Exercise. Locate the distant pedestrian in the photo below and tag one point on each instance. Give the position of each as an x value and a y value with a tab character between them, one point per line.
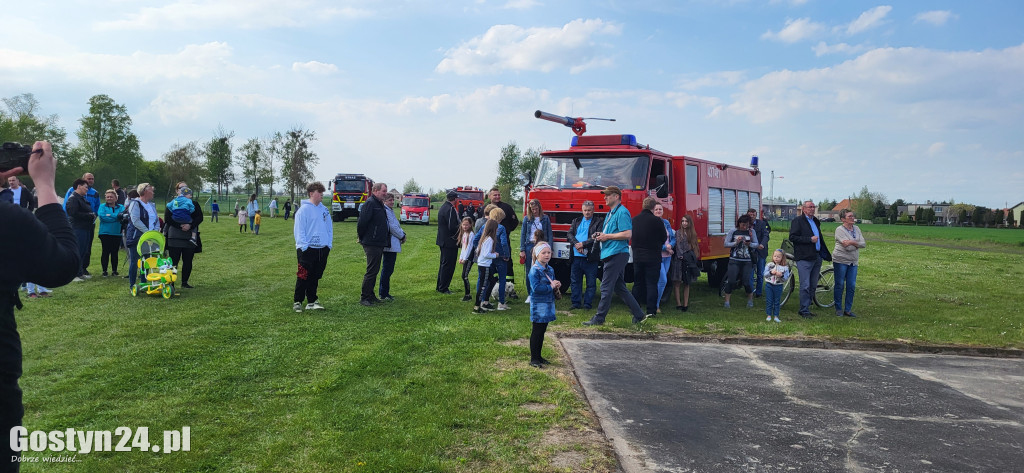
93	198
243	220
685	258
617	230
740	242
585	256
392	251
121	196
466	254
83	219
215	211
775	275
666	252
374	236
257	219
273	207
532	221
849	241
648	240
447	240
542	303
110	231
809	251
250	208
314	238
287	208
763	231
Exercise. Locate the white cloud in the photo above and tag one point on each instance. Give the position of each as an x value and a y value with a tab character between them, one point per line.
716	79
514	48
842	48
250	14
936	148
314	67
795	30
869	19
935	17
522	4
910	85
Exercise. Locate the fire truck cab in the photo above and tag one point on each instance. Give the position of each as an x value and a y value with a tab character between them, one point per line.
348	192
415	208
714	194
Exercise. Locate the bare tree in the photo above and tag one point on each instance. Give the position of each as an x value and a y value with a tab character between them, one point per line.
298	161
218	160
184	163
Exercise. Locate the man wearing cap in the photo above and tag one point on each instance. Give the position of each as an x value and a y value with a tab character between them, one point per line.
447	239
614	239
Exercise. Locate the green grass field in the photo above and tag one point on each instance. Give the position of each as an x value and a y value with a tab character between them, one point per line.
420	384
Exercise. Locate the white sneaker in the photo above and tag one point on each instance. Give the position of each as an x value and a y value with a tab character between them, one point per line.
502	306
777	319
768	319
527	301
297	306
314	305
77	279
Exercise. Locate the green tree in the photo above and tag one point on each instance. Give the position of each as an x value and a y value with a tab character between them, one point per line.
298	161
508	171
1010	220
826	205
411	186
864	203
21	122
980	216
894	210
106	145
881	210
250	157
184	163
218	160
918	215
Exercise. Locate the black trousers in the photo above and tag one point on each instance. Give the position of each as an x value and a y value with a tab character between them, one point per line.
88	249
110	244
374	256
387	269
312	263
537	340
466	267
446	270
184	255
645	283
11	409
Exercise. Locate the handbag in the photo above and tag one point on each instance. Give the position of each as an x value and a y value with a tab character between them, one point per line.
199	243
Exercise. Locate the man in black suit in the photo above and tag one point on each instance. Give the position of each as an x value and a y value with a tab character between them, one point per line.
447	239
375	235
808	250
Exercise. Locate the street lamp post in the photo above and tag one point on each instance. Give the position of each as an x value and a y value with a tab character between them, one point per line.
771	188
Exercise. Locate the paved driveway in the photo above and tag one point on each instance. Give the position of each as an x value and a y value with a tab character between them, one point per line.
682	407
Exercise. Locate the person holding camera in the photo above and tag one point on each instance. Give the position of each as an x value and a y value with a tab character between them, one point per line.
741	243
39	248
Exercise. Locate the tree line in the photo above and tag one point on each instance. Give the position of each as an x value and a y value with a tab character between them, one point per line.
107	147
874	206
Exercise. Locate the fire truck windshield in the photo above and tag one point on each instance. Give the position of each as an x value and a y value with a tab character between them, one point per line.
471	195
349	186
595	172
415	202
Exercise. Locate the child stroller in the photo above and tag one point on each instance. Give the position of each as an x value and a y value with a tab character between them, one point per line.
157	273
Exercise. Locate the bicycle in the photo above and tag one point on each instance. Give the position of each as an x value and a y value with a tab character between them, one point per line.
824	295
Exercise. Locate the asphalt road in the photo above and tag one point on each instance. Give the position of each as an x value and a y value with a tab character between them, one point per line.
689	407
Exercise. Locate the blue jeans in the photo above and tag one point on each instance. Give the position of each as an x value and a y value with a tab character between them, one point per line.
528	265
757	278
252	221
846	275
809	272
387	268
666	261
582	268
133	263
772	298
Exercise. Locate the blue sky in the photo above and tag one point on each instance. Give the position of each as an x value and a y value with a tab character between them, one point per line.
916	100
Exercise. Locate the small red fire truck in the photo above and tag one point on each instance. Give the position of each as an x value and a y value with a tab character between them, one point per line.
415	208
714	194
469	198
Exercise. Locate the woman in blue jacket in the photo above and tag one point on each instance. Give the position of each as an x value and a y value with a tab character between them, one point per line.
110	230
533	220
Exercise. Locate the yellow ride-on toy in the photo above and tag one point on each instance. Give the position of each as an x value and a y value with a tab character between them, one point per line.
157	273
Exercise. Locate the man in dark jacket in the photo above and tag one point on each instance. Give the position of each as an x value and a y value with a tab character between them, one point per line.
763	232
447	239
93	197
374	235
39	248
585	257
510	222
808	250
82	218
18	194
649	237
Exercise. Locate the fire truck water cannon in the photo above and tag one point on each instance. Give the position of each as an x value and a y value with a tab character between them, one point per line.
577	124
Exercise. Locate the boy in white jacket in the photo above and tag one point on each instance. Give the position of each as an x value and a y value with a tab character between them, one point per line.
314	236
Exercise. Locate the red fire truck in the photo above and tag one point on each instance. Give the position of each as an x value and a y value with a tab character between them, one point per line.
714	194
348	192
415	208
469	198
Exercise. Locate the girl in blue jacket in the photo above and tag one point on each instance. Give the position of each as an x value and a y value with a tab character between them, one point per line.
543	284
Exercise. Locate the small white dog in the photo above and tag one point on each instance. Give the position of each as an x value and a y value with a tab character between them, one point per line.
510	291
